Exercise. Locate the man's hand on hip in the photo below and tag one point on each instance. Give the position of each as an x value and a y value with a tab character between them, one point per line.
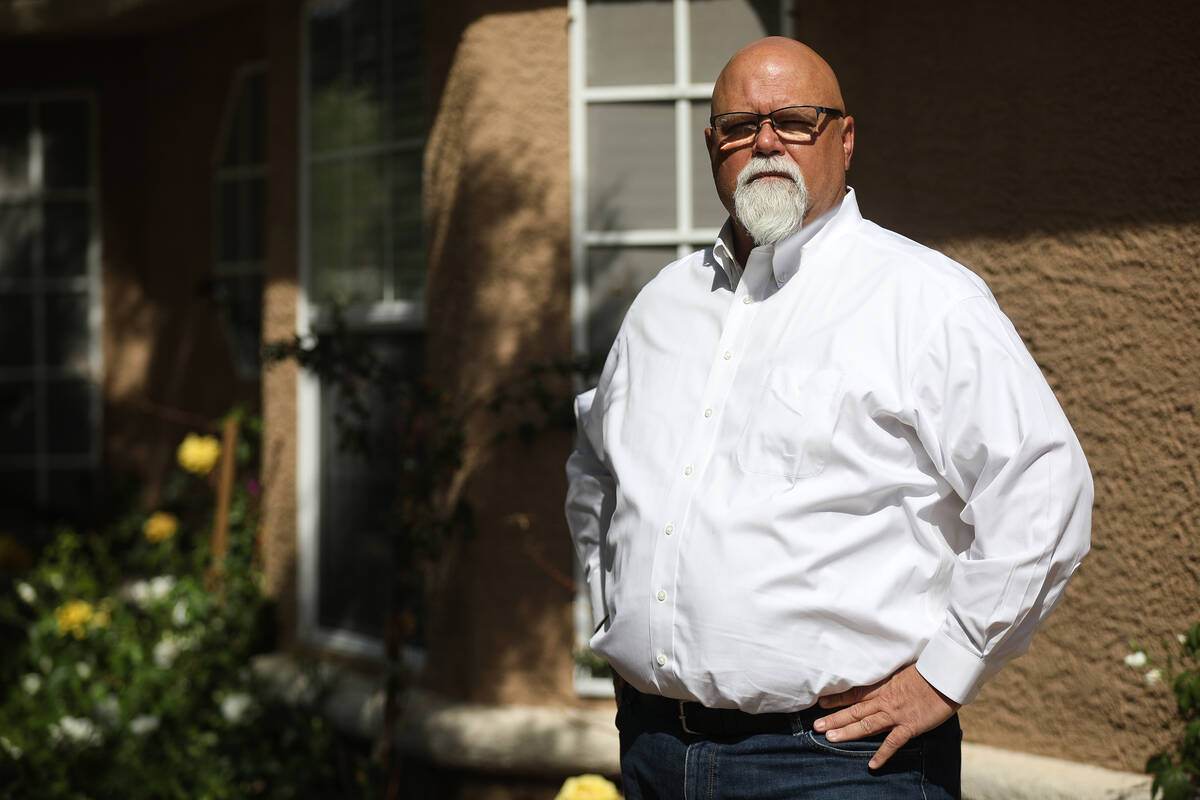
904	704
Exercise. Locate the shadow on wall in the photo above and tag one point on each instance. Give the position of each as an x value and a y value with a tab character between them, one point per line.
976	120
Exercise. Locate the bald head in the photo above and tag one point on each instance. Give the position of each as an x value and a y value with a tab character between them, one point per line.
764	76
776	59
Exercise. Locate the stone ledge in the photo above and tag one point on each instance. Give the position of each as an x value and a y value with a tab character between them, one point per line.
533	740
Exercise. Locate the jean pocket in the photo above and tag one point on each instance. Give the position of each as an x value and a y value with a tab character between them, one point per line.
790	429
859	748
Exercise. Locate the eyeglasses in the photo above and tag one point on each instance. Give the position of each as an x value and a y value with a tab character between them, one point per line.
793	124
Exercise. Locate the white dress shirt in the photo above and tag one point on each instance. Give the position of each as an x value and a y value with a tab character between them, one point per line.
799	477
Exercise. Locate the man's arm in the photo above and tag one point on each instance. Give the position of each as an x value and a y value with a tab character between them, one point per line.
591	496
996	434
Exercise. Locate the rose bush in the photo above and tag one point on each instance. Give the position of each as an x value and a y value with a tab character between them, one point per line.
124	665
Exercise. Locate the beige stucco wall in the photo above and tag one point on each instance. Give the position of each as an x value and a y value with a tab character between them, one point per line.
499	286
1053	149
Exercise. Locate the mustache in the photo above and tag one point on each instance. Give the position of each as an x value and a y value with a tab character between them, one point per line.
769	164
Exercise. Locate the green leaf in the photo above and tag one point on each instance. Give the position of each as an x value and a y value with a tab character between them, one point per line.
1175	784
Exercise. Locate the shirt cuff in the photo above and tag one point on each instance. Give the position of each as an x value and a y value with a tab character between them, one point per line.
952	669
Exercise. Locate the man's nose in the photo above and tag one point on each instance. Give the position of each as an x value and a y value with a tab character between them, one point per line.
766	141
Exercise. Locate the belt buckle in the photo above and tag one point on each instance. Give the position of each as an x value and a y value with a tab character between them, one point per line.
683	720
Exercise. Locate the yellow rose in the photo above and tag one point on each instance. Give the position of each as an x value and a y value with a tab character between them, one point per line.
73	618
160	526
588	787
198	454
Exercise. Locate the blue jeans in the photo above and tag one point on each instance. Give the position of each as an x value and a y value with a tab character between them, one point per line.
659	761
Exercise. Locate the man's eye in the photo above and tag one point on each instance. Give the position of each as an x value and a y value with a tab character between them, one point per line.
795	124
740	129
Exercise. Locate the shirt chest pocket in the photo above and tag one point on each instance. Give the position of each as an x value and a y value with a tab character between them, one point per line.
790	429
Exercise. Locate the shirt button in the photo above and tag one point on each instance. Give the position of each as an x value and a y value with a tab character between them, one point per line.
687	470
727	355
670	529
747	300
661	595
662	660
707	413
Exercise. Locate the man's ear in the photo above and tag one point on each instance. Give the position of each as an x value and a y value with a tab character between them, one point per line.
847	141
708	145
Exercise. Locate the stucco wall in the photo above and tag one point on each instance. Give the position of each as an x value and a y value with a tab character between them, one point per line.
497	192
1053	149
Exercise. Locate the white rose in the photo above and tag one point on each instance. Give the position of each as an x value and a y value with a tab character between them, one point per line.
179	614
83	670
1181	638
108	711
13	751
1154	676
161	586
234	707
166	651
31	682
26	592
143	724
1137	659
77	730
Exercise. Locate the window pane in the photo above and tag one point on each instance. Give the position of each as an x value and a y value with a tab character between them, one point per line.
326	73
239	302
367	227
327	220
18	418
256	219
614	275
358	492
631	166
16	330
630	42
707	211
407	110
16	240
366	96
256	90
14	148
69	417
408	254
227	214
67	332
64	126
721	27
66	236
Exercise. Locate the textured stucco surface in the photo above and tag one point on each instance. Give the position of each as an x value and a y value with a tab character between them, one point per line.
497	202
985	132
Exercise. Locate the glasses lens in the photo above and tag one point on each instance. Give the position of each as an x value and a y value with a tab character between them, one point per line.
736	127
797	123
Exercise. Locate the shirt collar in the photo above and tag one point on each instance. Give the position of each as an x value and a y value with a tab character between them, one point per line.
788	254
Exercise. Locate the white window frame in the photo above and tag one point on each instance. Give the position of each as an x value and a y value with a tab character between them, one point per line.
684	236
38	285
391	314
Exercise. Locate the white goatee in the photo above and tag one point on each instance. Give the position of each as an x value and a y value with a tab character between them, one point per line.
770	209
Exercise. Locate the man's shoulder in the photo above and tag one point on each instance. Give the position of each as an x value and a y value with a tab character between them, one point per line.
694	269
893	256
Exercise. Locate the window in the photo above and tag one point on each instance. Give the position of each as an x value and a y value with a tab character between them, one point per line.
240	213
642	74
49	308
364	122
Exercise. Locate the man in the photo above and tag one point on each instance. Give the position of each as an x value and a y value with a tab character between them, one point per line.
821	492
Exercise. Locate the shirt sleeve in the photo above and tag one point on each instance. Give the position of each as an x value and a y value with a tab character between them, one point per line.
995	432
